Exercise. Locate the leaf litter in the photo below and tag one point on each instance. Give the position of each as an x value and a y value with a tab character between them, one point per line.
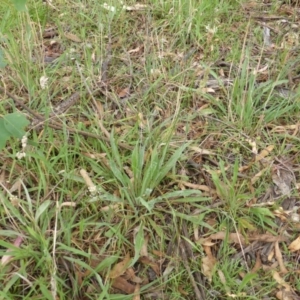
259	166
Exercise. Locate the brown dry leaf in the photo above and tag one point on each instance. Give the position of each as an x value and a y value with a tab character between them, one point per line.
100	108
207	267
94	155
295	245
258	175
202	151
80	276
130	275
122	284
258	263
285	295
137	295
206	242
207	90
16	185
147	261
200	187
278	256
124	93
268	238
120	268
129	172
272	267
271	255
233	237
264	153
182	291
281	281
158	253
196	232
7	258
281	214
221	72
244	168
72	37
204	109
284	129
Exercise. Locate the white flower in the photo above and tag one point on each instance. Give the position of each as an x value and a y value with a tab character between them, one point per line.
24	141
109	7
20	155
211	30
92	189
44	82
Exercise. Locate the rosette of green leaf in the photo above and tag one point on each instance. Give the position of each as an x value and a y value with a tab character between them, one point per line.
150	166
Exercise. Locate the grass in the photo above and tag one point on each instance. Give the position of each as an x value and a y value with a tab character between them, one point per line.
207	125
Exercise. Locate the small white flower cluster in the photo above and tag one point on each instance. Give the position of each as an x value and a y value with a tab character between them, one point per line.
44	82
22	153
92	189
14	200
211	30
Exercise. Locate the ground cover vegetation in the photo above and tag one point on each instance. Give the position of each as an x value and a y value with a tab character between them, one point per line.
149	150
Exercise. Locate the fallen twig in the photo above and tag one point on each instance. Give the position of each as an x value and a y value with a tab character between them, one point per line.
198	295
55	125
65	105
195	278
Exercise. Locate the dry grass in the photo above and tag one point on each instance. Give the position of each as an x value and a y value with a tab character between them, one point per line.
187	187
